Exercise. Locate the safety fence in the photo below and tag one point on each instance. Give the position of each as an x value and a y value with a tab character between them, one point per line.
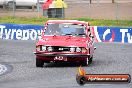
97	9
31	32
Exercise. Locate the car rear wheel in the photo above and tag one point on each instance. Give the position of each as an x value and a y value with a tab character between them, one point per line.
39	63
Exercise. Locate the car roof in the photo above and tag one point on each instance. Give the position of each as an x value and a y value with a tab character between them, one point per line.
67	21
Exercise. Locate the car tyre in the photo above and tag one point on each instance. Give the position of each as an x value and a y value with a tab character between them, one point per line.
90	60
39	63
87	62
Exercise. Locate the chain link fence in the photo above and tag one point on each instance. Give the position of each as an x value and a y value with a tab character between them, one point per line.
97	9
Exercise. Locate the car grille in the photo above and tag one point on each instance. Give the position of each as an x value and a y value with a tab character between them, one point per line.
60	49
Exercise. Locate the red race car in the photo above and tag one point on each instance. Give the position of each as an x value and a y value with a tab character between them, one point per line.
65	40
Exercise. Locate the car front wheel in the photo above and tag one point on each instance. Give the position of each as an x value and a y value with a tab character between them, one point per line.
90	60
87	62
39	63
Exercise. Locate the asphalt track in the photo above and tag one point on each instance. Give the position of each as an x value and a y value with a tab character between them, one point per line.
109	58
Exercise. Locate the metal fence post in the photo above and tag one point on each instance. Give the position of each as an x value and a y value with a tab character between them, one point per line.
13	8
63	13
89	9
38	8
113	1
90	1
117	8
4	6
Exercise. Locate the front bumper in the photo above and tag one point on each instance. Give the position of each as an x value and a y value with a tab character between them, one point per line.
61	54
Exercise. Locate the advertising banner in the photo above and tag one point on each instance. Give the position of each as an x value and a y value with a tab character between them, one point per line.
20	32
30	32
112	34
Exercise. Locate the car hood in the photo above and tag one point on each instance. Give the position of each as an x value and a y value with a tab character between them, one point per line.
63	41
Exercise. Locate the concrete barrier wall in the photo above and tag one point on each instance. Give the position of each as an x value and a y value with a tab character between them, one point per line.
30	32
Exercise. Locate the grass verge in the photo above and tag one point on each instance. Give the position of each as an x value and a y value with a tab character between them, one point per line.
41	21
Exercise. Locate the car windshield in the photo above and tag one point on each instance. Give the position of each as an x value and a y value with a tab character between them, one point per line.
65	29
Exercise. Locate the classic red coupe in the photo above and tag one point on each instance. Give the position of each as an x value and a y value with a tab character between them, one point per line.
65	40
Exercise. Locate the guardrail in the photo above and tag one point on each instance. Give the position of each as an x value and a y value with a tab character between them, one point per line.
30	32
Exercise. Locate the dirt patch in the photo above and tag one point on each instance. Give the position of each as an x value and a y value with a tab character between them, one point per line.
100	11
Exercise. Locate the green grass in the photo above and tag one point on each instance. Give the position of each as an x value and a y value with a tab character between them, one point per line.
41	21
98	22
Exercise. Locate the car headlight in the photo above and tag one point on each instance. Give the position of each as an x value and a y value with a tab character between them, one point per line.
50	49
78	49
43	48
38	48
84	50
72	49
